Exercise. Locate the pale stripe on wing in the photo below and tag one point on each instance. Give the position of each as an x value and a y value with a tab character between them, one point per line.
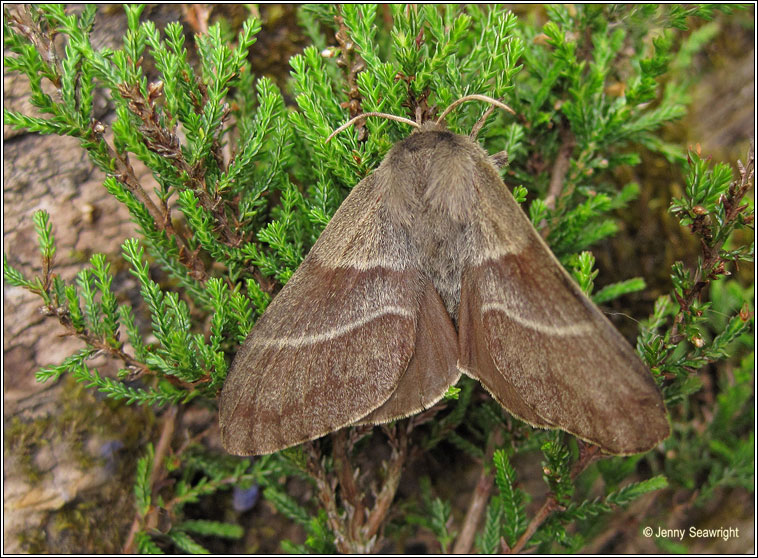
303	340
581	328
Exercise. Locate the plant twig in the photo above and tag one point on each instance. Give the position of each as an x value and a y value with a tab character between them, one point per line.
357	529
391	481
352	499
351	61
560	168
712	263
326	489
161	450
477	505
548	507
465	540
588	453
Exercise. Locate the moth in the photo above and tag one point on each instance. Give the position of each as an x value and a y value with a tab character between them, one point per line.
430	269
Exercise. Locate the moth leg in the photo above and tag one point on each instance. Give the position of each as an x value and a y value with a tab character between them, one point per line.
499	160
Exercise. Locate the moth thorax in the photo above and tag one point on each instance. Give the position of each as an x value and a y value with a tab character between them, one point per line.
451	186
442	255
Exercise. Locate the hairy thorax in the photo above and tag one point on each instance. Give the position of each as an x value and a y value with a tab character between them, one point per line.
430	182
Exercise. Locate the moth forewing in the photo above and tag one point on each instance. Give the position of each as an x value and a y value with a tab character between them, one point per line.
545	351
333	344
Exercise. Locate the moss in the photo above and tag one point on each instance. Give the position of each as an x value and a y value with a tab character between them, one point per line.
95	525
84	415
81	416
34	541
98	519
22	440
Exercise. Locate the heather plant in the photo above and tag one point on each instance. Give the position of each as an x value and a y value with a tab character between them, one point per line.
244	183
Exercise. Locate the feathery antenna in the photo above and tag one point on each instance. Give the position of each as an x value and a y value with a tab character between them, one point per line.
352	121
484	98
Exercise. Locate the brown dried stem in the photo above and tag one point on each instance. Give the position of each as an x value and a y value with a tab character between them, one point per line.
477	505
166	144
161	450
23	20
560	168
548	507
357	529
326	488
393	473
353	64
352	499
588	453
465	540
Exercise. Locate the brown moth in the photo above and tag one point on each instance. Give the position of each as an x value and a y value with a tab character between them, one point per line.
430	269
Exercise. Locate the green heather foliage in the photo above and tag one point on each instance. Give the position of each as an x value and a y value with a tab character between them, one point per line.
591	88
